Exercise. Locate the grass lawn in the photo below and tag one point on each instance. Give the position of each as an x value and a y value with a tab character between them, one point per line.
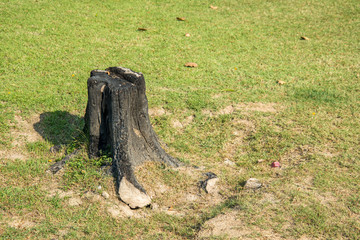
276	81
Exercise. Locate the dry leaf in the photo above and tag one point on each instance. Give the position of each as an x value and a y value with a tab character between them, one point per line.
213	7
191	64
304	38
280	82
180	19
187	35
142	29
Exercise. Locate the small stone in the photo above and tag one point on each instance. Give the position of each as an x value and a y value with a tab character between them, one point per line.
229	162
99	187
211	185
253	183
105	195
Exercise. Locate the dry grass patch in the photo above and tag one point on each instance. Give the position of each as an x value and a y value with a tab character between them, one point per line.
176	191
231	225
22	132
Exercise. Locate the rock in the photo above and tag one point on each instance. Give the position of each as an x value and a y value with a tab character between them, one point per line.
132	196
253	183
211	186
99	187
229	162
105	195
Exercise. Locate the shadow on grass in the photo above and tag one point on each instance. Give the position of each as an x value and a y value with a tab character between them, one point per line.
59	127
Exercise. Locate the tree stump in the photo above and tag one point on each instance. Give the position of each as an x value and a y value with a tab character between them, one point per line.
117	120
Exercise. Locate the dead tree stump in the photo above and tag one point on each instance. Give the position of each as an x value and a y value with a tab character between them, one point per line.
117	120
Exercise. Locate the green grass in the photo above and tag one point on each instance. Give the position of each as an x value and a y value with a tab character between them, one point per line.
243	48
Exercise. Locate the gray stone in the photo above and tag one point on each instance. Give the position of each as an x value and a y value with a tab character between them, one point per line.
253	183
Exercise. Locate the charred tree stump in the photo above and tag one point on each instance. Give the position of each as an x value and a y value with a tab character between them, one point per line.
117	120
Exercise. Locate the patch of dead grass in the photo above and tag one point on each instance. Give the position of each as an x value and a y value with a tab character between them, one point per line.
22	132
176	191
231	226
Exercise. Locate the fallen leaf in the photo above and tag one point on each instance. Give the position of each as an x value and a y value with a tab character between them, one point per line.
191	64
304	38
187	35
281	82
213	7
142	29
180	19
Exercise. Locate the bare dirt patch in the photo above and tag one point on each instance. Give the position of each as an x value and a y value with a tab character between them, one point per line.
177	191
258	107
156	112
21	223
23	132
242	128
175	123
230	226
244	107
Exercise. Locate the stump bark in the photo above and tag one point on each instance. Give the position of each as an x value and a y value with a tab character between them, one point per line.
117	120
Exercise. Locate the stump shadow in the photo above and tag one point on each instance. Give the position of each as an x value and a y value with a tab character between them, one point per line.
59	127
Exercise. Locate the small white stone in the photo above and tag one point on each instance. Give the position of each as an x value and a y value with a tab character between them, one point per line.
105	195
99	187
